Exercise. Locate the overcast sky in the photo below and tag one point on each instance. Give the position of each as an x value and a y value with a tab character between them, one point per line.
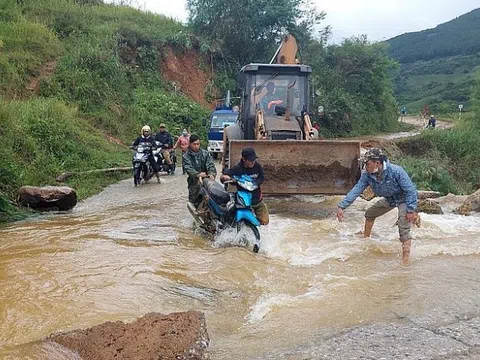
379	19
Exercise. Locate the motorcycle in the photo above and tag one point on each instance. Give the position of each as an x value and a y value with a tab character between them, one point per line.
220	209
142	169
161	162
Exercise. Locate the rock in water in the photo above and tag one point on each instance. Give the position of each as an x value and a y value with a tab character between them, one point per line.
368	194
47	198
177	336
471	203
429	207
424	194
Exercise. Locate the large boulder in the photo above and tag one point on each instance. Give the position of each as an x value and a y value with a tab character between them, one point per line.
429	206
471	203
47	198
177	336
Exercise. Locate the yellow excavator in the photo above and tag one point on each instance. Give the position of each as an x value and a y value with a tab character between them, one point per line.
274	120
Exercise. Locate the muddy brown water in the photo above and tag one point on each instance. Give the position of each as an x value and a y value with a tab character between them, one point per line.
129	251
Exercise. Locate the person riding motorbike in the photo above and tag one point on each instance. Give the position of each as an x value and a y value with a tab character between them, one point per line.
183	141
147	137
198	165
432	122
249	165
164	137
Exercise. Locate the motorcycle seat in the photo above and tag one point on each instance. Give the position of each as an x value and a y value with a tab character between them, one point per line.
216	192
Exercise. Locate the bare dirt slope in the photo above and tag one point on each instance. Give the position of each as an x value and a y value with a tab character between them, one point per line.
187	73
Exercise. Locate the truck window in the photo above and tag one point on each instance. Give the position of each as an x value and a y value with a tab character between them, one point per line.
220	120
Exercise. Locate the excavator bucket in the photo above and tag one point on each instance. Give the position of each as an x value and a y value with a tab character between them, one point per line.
303	167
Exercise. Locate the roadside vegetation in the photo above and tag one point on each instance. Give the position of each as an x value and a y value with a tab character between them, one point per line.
78	79
447	160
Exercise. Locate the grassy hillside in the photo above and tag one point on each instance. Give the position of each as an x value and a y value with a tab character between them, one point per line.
438	66
456	37
75	74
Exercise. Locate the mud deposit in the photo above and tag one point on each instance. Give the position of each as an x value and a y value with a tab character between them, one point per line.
153	336
329	179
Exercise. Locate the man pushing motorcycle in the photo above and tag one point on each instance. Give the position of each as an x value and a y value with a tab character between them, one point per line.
249	165
198	165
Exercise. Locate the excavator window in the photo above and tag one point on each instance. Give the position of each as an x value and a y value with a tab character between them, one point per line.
269	91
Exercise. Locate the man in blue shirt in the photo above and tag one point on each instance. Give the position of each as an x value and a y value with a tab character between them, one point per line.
392	183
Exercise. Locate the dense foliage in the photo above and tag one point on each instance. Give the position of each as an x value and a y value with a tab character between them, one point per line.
354	86
247	31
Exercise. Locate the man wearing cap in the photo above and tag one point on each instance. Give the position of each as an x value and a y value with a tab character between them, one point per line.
164	137
391	183
248	165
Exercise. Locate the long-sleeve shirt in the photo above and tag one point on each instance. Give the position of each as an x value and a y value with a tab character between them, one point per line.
142	139
256	173
165	138
394	185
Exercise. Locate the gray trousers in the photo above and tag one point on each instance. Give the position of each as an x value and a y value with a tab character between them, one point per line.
382	207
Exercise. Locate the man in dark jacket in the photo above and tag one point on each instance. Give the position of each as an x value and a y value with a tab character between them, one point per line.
166	141
248	165
198	164
149	139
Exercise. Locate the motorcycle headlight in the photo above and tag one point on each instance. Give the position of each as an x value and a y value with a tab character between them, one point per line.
140	149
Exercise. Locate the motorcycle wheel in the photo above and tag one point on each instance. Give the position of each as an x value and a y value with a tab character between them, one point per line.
248	235
137	176
146	175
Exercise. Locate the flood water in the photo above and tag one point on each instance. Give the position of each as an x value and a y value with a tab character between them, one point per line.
129	251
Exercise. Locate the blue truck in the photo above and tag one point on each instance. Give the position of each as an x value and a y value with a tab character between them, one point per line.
220	118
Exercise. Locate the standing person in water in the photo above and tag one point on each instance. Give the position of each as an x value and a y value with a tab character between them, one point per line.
391	183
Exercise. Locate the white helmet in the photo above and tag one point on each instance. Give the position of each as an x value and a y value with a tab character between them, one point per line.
146	128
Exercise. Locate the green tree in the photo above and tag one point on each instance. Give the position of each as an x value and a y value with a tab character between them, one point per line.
247	31
354	85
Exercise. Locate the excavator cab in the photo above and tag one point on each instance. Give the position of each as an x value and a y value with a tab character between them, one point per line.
278	91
